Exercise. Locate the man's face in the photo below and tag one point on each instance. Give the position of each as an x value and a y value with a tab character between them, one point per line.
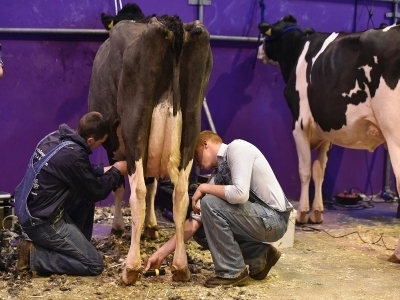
94	144
205	157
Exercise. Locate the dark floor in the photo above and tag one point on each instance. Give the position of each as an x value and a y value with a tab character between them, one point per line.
338	216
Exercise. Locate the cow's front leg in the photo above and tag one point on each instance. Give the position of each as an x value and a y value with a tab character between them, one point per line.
118	227
318	172
150	221
180	270
133	268
304	156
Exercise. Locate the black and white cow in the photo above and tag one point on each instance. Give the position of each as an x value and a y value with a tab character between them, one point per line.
342	89
149	80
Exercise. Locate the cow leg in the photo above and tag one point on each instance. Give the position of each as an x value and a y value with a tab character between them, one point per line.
318	172
150	221
394	152
133	268
179	269
304	156
118	227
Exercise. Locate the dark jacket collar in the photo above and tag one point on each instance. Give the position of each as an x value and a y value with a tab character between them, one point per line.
66	133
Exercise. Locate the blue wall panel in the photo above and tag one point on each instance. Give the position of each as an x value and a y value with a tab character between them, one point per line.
47	77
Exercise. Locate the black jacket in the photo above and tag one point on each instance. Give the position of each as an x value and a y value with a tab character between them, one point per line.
68	174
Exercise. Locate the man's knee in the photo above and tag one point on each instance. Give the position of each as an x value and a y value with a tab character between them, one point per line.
96	267
208	202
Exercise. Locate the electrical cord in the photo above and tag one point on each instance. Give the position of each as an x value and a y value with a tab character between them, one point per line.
309	228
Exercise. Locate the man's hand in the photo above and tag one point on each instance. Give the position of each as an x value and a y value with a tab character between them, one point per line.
198	194
154	262
121	166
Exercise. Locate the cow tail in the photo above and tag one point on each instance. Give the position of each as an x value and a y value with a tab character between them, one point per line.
177	46
174	161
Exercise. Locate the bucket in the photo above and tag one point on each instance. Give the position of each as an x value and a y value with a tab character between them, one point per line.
287	240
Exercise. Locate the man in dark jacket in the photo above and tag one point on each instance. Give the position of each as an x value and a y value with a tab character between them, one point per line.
55	201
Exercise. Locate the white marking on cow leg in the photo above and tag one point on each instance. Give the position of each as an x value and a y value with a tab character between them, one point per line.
304	156
181	201
318	172
386	107
394	152
133	269
179	268
175	154
118	227
150	221
301	134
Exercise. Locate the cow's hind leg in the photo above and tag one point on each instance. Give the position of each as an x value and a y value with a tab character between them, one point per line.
180	270
150	221
118	227
133	269
318	171
394	152
304	156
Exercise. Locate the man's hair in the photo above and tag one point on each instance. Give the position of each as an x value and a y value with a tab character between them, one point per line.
93	125
207	135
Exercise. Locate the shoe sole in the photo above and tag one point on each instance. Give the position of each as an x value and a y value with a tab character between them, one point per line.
241	282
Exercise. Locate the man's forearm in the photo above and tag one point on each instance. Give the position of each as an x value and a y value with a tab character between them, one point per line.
191	226
213	189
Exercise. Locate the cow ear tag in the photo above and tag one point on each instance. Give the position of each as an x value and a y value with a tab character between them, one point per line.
111	24
268	32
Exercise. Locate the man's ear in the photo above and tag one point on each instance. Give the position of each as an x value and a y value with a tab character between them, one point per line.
90	141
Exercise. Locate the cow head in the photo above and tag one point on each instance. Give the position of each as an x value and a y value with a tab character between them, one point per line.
279	36
130	11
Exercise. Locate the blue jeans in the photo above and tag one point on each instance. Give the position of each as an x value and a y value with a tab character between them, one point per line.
62	246
237	234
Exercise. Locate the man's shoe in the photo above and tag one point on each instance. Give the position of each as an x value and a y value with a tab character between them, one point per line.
238	281
24	256
273	256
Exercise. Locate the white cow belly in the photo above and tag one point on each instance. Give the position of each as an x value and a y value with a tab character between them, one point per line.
371	123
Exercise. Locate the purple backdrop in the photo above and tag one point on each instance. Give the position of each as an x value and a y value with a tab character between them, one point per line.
47	76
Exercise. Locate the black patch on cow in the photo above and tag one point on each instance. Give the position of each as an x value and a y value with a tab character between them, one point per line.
336	72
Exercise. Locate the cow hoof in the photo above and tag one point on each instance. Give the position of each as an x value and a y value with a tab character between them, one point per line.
302	218
130	276
117	232
180	275
393	258
151	233
316	217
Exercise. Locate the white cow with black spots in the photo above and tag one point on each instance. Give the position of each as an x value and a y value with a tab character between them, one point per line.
342	89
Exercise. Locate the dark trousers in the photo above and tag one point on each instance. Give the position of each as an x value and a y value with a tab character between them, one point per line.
62	246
